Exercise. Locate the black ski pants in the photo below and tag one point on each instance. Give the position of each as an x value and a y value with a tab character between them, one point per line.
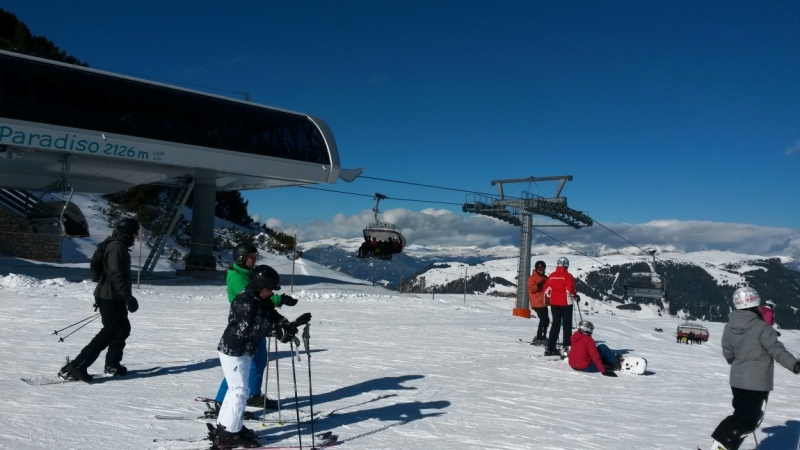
544	322
560	313
748	409
116	328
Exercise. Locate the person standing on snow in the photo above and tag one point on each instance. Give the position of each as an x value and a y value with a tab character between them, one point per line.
560	289
114	299
751	347
536	299
768	311
244	259
252	317
586	356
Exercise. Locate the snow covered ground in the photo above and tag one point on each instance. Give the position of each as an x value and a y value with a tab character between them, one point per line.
389	372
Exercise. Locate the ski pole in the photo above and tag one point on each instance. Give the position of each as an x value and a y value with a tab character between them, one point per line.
578	304
296	405
82	320
306	338
266	379
61	339
278	381
764	413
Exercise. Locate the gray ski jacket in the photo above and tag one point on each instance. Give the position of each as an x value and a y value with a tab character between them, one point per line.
750	345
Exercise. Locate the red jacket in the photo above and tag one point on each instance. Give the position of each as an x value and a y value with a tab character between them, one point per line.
583	351
560	283
769	317
536	295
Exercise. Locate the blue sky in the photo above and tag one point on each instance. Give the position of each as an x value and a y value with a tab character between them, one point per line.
678	111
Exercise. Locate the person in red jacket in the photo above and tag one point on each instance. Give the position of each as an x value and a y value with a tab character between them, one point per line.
586	356
768	312
536	299
560	290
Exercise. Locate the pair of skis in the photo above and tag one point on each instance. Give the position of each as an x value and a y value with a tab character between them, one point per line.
326	440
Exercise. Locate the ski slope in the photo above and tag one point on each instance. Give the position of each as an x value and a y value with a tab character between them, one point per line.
389	372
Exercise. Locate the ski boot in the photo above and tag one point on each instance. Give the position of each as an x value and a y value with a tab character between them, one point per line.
539	342
618	362
115	369
226	440
258	402
717	446
71	372
551	352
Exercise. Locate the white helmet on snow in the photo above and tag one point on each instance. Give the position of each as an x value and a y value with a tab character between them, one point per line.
586	326
562	262
746	297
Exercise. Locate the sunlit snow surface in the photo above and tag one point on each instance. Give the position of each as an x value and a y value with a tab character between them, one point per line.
401	372
389	371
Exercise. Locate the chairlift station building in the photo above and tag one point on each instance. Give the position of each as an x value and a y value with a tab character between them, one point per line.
74	128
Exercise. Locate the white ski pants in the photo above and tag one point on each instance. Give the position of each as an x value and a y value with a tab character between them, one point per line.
237	372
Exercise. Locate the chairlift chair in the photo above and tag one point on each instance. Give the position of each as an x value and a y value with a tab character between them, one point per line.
58	218
647	285
382	232
697	331
55	217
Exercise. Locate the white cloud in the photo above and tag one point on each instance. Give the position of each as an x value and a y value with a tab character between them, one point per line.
442	227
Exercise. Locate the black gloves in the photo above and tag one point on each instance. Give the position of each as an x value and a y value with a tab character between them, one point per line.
286	331
302	320
133	305
796	368
287	300
609	373
540	284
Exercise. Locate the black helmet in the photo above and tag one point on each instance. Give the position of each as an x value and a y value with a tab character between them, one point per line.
539	264
265	277
127	226
241	251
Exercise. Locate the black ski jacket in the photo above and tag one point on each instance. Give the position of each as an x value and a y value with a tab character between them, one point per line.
116	282
249	320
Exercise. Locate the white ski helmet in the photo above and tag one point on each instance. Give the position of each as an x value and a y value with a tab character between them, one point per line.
586	327
746	297
562	262
770	303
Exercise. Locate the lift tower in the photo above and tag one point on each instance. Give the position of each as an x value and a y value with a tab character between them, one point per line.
519	212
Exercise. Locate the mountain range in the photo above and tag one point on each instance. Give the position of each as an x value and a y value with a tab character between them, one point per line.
698	285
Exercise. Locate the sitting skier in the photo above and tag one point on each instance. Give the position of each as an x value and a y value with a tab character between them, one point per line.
751	347
586	356
252	317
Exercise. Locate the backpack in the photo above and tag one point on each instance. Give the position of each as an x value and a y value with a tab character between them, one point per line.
97	265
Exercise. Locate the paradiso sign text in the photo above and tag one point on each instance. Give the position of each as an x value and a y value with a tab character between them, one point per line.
69	142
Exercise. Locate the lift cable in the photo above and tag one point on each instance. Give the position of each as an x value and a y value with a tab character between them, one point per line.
427	185
372	196
629	242
472	192
568	246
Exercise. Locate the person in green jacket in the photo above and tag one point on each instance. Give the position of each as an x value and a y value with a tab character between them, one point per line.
237	277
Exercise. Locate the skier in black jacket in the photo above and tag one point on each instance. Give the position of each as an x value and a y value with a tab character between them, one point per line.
114	299
252	317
